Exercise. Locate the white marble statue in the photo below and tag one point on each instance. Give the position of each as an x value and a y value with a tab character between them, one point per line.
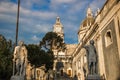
20	59
29	72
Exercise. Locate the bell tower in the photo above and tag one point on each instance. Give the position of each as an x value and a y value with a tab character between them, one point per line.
58	28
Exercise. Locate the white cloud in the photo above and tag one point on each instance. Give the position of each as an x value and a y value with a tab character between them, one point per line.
46	15
96	4
43	28
28	19
7	7
30	3
62	1
41	21
78	6
35	38
61	4
6	18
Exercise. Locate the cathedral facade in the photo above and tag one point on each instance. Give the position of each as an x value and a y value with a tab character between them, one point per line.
104	29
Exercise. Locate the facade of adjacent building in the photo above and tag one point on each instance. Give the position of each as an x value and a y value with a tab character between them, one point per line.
104	29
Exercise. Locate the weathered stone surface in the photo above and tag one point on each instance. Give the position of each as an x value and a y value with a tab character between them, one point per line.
20	58
93	77
17	78
111	54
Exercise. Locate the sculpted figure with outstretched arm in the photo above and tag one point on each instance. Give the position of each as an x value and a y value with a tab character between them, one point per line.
92	57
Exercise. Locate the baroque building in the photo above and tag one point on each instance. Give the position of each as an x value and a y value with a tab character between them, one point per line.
63	57
104	29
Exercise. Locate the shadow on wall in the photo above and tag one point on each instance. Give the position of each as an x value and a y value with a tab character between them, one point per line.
118	78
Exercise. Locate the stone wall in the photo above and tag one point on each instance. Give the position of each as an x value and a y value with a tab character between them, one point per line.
111	55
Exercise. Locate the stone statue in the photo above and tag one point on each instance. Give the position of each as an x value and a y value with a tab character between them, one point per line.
20	59
91	57
29	72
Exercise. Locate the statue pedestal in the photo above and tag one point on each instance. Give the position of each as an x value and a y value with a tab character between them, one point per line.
93	77
17	78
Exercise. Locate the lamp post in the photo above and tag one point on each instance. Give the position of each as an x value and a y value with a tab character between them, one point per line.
16	38
17	23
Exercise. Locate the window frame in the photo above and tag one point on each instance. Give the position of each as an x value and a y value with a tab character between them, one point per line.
108	42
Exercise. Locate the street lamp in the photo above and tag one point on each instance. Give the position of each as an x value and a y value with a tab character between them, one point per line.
17	23
16	38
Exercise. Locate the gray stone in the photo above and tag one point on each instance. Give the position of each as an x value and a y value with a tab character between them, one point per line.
17	78
91	57
93	77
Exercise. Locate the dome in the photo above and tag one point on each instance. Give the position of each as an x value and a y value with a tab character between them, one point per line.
89	18
88	21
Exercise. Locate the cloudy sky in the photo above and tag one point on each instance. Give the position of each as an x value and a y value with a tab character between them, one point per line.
37	17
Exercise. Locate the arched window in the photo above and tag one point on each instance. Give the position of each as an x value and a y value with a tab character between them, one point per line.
108	38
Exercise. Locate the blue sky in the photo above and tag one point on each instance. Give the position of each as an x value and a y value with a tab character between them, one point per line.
37	17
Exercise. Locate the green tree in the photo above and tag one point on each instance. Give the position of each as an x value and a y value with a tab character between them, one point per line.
34	54
52	41
6	51
38	57
42	53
